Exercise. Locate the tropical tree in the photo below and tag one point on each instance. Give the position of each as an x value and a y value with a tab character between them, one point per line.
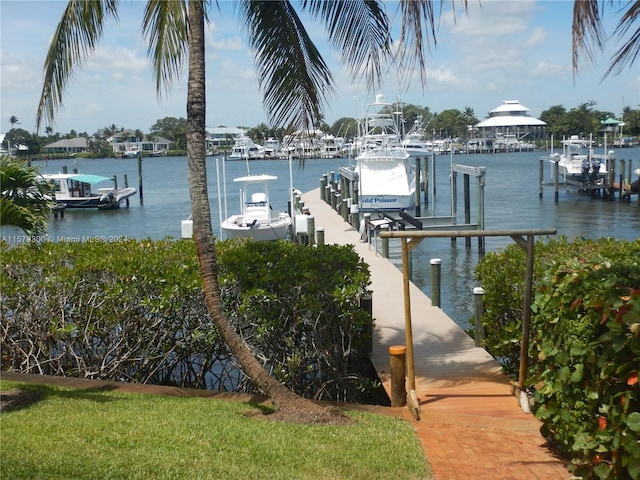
13	120
26	201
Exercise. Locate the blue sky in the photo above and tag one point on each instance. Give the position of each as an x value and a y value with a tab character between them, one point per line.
502	50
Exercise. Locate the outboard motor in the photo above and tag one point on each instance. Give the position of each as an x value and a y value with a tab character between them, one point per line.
595	169
585	168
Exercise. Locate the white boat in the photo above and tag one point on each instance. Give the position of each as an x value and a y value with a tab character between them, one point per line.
245	149
131	152
415	143
579	164
271	148
385	170
256	219
76	190
330	146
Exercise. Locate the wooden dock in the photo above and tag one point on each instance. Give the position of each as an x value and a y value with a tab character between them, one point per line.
471	424
443	351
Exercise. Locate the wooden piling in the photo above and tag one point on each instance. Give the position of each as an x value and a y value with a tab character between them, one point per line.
436	269
141	195
397	354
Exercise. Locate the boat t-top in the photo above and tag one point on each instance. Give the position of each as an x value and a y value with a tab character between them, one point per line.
257	218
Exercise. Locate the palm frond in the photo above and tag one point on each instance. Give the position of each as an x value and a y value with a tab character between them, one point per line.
360	30
165	27
587	31
292	73
74	40
413	46
628	53
25	200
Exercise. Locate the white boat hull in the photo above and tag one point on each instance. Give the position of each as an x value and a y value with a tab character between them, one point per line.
387	180
276	229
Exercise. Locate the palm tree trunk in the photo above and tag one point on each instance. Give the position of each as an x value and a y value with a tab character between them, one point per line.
282	397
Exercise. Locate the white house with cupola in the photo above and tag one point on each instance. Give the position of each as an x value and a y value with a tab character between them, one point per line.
511	118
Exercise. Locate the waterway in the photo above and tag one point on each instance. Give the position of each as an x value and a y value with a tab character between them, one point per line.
511	201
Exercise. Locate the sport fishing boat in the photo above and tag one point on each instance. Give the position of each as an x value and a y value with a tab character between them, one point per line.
256	219
245	149
384	168
76	190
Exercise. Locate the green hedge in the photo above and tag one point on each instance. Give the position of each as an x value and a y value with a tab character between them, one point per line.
134	311
585	345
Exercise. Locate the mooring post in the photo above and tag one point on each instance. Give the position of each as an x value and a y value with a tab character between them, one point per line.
397	354
126	185
425	177
467	206
323	184
355	215
417	193
320	236
436	269
540	178
311	228
385	243
478	302
140	194
556	180
367	227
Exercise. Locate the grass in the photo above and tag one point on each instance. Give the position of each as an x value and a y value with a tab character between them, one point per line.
100	434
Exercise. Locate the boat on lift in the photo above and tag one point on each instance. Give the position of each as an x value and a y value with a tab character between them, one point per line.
579	164
256	219
77	190
385	171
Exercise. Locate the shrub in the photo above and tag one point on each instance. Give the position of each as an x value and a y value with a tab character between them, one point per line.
300	309
587	321
584	352
134	311
501	274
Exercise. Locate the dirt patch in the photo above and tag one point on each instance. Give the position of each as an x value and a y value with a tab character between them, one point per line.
17	398
332	416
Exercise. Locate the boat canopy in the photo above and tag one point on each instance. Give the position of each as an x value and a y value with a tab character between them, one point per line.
92	179
255	178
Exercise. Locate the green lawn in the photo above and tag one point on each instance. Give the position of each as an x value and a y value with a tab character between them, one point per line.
86	434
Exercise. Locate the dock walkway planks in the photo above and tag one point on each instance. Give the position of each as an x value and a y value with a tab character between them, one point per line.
471	425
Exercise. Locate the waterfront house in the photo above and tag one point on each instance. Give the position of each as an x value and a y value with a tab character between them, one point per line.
69	146
127	141
512	119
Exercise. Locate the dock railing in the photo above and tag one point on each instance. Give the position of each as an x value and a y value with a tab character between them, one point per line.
412	238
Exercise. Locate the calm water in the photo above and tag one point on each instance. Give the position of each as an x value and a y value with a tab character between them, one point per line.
511	202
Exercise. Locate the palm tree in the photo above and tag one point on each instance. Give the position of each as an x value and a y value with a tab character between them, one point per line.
291	72
26	201
13	120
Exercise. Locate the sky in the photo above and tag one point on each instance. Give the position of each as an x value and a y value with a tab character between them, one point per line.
500	50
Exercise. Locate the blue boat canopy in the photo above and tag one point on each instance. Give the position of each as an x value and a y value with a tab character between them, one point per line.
92	179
